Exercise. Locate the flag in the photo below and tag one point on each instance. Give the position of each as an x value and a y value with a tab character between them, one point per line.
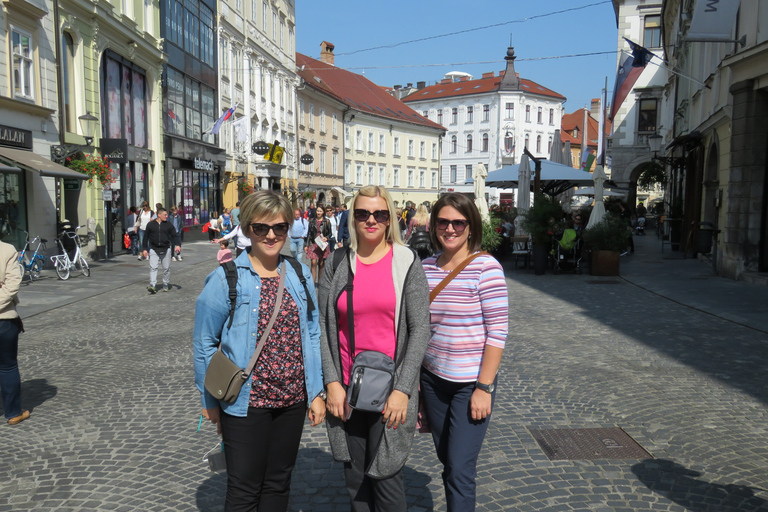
275	154
241	129
587	159
627	75
173	115
217	125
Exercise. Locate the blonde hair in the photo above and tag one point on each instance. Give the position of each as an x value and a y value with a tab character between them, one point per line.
263	204
421	215
392	234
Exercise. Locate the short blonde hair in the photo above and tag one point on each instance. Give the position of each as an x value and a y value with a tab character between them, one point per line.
392	234
263	204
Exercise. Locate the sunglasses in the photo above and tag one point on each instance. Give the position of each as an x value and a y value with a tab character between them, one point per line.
279	229
459	225
379	215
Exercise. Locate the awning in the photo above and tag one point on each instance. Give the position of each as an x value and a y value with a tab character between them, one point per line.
341	192
36	163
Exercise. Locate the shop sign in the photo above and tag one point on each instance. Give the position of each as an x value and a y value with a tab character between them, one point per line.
71	183
106	194
203	165
116	150
139	154
16	138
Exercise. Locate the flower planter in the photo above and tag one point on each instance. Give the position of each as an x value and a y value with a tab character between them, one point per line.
605	263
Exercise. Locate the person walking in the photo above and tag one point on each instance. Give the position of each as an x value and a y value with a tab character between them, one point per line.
160	236
131	228
214	229
235	214
10	327
262	428
390	306
319	226
342	236
298	234
469	329
145	217
242	242
177	221
333	219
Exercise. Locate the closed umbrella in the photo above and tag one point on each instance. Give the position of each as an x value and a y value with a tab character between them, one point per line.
556	151
478	176
524	184
598	211
567	157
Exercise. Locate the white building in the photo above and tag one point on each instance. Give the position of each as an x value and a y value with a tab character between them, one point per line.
488	120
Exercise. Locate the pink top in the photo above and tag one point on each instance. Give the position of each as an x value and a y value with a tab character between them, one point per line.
374	302
224	255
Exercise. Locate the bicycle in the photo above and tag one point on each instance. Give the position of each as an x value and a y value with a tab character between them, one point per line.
64	264
36	262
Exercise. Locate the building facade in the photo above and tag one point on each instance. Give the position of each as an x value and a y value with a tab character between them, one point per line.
488	120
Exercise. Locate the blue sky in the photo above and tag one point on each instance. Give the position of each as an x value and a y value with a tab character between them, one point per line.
357	25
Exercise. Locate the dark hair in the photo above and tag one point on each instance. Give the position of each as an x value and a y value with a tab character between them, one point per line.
465	206
161	210
225	243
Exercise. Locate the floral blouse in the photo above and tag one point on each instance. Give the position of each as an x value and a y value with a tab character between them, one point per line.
278	378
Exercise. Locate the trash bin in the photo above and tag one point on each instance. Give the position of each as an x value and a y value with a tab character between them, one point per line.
706	232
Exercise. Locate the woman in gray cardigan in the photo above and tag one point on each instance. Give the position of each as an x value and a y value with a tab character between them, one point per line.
391	315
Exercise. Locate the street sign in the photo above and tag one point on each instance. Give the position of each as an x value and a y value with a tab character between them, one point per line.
106	194
71	184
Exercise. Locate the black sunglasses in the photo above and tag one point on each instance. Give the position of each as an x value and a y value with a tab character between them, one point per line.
379	215
459	225
279	229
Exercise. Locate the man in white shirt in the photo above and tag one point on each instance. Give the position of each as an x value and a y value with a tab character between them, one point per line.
298	234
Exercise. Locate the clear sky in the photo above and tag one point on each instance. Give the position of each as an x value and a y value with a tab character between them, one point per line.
535	29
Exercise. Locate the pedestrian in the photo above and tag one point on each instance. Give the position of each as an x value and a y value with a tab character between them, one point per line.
242	242
10	327
469	329
131	224
319	227
262	428
145	217
342	236
225	253
331	214
225	222
159	238
213	227
409	213
177	221
235	213
157	208
417	236
401	222
298	234
390	306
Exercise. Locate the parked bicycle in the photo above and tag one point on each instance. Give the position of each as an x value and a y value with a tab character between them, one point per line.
63	263
35	263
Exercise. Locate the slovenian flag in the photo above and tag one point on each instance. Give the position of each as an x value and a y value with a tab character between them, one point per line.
628	73
217	125
173	116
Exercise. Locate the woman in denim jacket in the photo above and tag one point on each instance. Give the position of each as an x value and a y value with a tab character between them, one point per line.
262	429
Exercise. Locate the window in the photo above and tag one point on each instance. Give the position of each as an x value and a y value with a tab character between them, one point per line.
422	179
322	160
469	143
486	112
454	115
410	177
652	31
346	136
539	117
264	16
370	142
647	120
410	148
334	124
359	175
396	146
301	113
290	41
189	25
470	113
359	141
528	113
454	144
311	116
335	163
434	180
382	144
274	26
509	143
509	111
125	116
282	32
551	116
485	143
370	175
322	120
382	176
439	116
527	140
538	143
226	67
434	151
467	171
425	114
68	81
347	177
453	174
422	150
549	145
396	177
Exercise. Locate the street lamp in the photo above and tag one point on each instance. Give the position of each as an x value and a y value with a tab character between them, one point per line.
88	123
654	143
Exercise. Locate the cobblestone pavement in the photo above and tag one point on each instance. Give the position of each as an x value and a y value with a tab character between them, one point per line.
114	410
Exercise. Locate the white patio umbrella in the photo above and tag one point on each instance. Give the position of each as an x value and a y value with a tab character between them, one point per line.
478	176
524	184
598	211
556	151
567	156
590	191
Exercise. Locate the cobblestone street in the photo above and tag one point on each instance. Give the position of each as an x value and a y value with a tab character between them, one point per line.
114	410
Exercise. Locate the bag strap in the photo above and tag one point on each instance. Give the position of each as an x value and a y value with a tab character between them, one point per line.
230	270
350	309
297	268
268	328
447	279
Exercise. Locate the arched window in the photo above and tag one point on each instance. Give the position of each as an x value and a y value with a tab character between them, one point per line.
538	144
469	143
549	145
527	139
509	142
485	142
68	80
454	144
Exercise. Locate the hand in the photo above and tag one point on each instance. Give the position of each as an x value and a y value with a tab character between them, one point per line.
395	409
178	249
145	254
337	397
316	412
214	416
480	405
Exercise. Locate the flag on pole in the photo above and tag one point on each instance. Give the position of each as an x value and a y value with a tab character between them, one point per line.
628	73
587	159
173	116
217	125
241	129
275	154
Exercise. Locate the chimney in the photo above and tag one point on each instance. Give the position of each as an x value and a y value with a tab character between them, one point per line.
398	87
488	75
501	74
594	109
326	52
421	85
510	81
445	81
409	85
464	79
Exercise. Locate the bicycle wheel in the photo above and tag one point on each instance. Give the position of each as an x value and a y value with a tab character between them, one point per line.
84	268
62	269
35	269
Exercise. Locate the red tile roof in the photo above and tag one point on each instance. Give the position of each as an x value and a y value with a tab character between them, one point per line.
478	86
357	92
576	120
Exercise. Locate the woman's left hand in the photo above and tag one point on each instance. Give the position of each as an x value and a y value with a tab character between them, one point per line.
395	409
480	405
316	412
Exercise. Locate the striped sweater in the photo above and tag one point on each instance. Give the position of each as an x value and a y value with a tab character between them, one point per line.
472	311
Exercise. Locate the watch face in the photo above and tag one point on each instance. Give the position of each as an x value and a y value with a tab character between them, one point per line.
491	387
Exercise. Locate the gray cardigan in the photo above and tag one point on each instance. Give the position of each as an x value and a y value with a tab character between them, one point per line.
412	327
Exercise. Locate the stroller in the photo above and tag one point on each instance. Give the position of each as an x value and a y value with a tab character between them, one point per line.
568	252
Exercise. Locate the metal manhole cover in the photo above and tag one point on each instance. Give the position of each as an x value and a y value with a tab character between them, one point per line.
588	444
603	282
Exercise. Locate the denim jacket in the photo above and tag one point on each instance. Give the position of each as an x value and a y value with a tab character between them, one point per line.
239	342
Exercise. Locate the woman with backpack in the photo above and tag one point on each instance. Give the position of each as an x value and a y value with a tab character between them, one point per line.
388	312
274	314
417	236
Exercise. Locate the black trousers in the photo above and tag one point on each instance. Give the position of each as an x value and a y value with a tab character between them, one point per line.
261	451
366	494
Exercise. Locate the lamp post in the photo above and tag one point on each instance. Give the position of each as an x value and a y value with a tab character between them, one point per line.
88	124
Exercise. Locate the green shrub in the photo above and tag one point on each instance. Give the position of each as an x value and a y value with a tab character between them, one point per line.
491	237
610	234
541	218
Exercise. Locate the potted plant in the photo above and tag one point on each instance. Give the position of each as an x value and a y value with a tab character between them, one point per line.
606	240
95	167
491	237
539	222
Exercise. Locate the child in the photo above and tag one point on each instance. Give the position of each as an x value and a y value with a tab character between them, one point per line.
224	253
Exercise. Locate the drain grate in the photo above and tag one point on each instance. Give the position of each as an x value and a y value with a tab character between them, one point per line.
602	282
588	444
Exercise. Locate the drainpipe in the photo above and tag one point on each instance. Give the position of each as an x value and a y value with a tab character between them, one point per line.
59	85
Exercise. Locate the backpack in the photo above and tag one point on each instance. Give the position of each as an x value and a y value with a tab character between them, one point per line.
421	243
230	270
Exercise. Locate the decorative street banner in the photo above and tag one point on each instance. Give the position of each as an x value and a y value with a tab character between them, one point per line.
713	20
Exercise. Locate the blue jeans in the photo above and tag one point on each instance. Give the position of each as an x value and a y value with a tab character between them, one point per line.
457	437
297	247
10	380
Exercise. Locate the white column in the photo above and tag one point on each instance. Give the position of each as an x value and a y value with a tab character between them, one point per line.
276	88
268	96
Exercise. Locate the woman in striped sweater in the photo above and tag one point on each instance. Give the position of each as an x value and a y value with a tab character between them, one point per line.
469	320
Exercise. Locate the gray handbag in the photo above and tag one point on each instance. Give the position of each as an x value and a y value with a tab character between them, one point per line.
223	378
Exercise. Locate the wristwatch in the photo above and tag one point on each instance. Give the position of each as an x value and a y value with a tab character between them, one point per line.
488	388
323	395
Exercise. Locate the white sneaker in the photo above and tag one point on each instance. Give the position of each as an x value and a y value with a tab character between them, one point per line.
173	258
178	258
139	258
